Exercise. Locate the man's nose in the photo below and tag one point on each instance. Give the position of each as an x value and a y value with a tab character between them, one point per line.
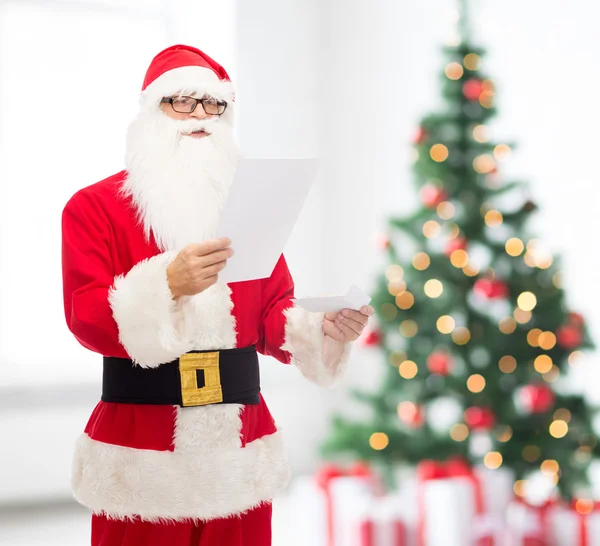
199	113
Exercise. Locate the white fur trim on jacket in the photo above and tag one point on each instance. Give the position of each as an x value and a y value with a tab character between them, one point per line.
152	326
122	482
187	80
321	359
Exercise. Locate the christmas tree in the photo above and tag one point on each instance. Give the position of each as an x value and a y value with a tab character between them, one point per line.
472	321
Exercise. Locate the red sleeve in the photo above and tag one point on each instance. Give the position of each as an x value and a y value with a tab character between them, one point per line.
88	275
277	295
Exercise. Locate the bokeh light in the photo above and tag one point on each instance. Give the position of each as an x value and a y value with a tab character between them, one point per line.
493	218
445	324
454	71
446	210
379	440
533	336
472	61
461	335
431	229
507	325
408	369
433	288
421	261
507	364
531	453
459	258
493	460
558	429
405	300
459	432
484	164
527	301
476	383
547	340
502	152
439	153
409	328
543	364
514	246
522	317
480	133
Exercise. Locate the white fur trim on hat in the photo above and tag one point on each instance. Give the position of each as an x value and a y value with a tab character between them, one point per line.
187	80
321	359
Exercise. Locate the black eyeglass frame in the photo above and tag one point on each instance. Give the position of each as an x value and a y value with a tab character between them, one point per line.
169	100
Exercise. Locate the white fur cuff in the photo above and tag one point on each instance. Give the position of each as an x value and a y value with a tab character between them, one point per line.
151	324
321	359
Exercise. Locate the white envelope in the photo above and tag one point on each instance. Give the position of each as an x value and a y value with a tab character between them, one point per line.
354	299
263	205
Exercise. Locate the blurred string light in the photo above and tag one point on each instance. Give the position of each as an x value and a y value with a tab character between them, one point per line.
558	428
531	453
472	61
405	300
484	164
459	258
522	317
446	210
486	99
514	247
379	440
408	369
439	153
505	434
421	261
584	506
550	466
546	340
397	357
507	325
552	375
493	218
507	364
396	287
562	414
519	488
431	229
461	335
493	460
527	301
445	324
453	231
533	336
480	133
476	383
454	71
433	288
557	280
502	152
574	357
409	328
394	272
388	311
543	364
459	432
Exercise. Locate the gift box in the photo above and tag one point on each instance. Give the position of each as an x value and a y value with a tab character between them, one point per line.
330	508
383	523
577	524
528	524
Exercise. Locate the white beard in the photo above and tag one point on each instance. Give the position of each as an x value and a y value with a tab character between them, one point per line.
179	183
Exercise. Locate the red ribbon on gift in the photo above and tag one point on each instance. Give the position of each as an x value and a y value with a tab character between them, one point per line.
544	536
583	512
325	476
453	468
367	533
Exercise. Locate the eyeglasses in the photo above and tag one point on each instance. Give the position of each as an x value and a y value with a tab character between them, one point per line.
186	105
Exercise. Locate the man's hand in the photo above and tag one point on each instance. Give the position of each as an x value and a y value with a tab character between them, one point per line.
197	267
347	325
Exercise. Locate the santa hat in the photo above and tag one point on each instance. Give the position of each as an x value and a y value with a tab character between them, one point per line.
182	68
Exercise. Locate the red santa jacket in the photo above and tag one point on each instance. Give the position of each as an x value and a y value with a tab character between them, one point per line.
167	462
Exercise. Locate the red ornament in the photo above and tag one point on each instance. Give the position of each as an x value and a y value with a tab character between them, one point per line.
456	244
569	337
439	363
371	338
411	414
479	418
490	289
432	196
421	135
536	398
576	319
472	89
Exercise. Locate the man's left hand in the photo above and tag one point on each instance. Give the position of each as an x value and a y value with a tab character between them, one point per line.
347	325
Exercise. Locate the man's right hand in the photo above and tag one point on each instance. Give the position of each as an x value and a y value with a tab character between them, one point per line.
197	267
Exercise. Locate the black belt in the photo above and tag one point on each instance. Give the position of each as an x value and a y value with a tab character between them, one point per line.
197	378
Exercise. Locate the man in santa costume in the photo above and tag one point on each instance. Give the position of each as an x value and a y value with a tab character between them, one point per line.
182	449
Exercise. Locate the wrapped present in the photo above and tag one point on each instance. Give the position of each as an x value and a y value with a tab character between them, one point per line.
528	524
460	505
383	523
327	509
577	524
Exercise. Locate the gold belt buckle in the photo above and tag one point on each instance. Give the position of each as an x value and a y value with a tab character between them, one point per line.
191	394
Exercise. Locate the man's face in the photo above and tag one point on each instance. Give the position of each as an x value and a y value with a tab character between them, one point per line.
182	103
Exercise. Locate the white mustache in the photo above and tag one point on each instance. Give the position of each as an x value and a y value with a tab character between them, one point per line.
191	125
